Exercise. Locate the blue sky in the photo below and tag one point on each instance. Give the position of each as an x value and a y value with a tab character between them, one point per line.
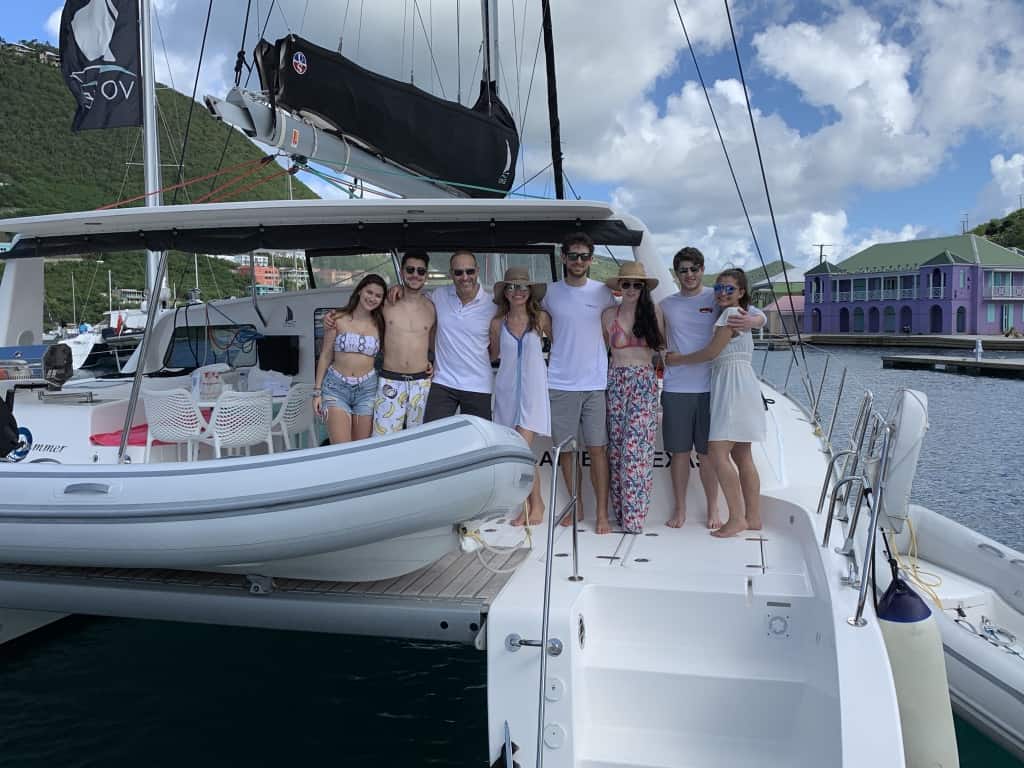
873	126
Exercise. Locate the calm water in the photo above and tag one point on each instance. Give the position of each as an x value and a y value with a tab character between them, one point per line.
104	692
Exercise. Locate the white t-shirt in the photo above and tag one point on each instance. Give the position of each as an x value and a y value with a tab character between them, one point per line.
690	322
579	359
461	356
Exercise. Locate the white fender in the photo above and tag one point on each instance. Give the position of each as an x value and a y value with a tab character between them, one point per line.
908	418
919	672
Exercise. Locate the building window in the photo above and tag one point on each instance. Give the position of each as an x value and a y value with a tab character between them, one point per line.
963	277
990	313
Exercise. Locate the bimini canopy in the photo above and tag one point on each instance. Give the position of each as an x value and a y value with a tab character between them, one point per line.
473	149
313	224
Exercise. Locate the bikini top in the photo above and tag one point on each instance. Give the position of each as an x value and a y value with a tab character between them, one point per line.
356	342
620	339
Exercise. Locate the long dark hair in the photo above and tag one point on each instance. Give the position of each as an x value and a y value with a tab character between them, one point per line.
740	277
378	313
645	321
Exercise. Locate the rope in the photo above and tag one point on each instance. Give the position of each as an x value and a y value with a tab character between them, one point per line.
928	582
255	184
475	535
257	165
192	103
186	183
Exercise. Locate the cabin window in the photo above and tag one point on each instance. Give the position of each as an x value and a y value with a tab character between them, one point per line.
194	346
990	313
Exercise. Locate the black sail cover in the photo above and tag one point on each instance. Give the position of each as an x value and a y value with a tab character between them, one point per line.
472	149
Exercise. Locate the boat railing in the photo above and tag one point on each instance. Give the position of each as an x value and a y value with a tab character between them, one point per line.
857	471
552	645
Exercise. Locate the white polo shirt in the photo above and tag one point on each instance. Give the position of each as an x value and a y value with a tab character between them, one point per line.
461	356
579	358
691	324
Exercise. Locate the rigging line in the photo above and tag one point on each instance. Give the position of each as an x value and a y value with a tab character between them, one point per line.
571	187
192	103
280	10
430	15
344	21
359	33
515	58
170	73
430	47
479	52
302	24
127	165
538	173
764	179
721	141
529	91
412	46
405	12
458	49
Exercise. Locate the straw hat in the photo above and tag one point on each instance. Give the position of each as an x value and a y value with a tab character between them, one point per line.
631	270
519	276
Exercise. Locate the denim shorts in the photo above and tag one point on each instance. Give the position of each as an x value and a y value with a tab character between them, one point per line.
354	396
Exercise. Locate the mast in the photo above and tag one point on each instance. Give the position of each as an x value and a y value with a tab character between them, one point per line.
151	143
489	14
556	133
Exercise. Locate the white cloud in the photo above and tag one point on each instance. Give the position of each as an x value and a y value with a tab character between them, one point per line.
52	25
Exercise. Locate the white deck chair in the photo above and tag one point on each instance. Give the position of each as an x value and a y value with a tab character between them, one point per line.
173	417
295	419
240	420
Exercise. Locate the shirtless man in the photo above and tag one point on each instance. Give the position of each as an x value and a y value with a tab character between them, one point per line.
404	378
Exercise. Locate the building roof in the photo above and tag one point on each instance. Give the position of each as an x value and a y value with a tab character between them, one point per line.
825	268
761	276
945	258
909	255
787	304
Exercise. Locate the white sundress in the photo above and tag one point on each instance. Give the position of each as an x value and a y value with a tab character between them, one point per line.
737	412
521	384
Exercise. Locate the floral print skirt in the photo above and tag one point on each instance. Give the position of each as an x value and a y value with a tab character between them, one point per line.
632	431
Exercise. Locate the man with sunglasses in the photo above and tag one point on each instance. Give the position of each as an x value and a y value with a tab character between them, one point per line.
578	366
463	379
690	317
404	378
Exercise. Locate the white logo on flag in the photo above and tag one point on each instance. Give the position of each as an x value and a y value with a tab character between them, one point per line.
93	26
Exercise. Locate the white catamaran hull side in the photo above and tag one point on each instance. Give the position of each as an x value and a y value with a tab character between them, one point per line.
683	650
984	580
265	510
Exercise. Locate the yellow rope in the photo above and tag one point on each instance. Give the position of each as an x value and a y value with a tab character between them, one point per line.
927	581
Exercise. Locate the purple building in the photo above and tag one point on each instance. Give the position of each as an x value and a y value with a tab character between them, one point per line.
962	284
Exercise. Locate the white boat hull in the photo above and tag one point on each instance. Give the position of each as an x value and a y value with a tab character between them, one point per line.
290	514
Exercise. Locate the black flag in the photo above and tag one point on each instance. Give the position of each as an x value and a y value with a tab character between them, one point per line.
99	56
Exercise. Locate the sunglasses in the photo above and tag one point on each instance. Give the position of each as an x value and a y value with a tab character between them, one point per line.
627	285
728	290
688	270
421	271
570	256
468	272
516	288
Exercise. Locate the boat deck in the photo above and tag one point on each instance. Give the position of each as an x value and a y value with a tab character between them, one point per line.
448	600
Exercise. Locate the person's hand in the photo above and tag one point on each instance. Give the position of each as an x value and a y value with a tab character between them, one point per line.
743	320
318	406
395	293
330	321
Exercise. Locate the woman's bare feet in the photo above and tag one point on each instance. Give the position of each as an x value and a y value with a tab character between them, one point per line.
536	516
753	522
714	522
567	520
678	519
731	528
603	526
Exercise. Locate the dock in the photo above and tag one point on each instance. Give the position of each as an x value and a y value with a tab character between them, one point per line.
446	601
1009	369
930	340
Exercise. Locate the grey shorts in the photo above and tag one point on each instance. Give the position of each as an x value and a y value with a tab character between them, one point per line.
685	421
579	413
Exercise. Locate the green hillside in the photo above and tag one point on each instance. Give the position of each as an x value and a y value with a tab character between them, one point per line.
44	168
1007	231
